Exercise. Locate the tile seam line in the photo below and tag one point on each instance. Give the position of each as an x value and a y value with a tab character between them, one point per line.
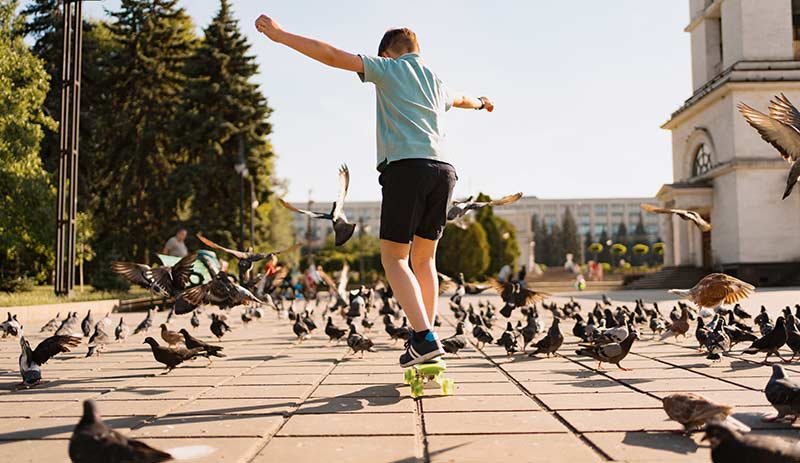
570	428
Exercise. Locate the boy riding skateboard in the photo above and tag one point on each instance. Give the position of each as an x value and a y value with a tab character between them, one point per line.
416	176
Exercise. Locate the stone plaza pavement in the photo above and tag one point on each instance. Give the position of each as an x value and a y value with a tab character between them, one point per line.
274	400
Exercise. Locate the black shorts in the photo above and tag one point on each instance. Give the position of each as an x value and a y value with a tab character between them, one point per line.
416	196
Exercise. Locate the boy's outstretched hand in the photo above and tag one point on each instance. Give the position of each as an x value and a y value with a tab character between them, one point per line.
268	27
487	104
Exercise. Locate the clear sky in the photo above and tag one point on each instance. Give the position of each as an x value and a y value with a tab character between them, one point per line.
581	89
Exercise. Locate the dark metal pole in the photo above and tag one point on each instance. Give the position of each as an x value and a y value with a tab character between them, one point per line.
252	214
67	197
241	192
361	250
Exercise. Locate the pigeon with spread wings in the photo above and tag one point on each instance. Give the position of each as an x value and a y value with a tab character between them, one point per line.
246	258
781	129
221	291
715	289
342	229
163	281
691	216
460	208
31	360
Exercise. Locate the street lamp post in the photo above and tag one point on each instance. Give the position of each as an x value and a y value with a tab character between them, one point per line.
241	168
67	197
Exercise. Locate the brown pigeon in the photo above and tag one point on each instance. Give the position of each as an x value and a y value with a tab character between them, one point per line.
694	412
716	289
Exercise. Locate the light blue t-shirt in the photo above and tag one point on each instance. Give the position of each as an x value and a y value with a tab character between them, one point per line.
411	104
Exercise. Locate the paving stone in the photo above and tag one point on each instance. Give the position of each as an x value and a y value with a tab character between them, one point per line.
350	424
235	407
273	379
344	449
119	408
491	422
228	449
211	425
735	398
576	386
256	392
31	409
347	404
509	448
361	390
598	401
460	403
692	384
35	451
150	393
54	428
646	447
619	420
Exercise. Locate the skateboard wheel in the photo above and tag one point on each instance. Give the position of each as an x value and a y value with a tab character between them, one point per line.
408	376
448	387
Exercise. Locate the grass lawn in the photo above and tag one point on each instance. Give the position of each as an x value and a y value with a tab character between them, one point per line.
45	295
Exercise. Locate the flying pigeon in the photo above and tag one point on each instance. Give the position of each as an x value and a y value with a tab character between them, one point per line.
460	208
246	258
220	291
781	129
691	216
165	281
716	289
515	295
342	229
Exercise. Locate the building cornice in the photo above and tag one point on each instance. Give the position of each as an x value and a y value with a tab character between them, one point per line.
712	11
743	75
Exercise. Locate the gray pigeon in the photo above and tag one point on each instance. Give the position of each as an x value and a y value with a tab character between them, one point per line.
86	324
729	446
146	324
551	342
71	326
121	331
783	394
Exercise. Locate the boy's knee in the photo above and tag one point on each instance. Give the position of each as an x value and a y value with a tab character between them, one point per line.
422	261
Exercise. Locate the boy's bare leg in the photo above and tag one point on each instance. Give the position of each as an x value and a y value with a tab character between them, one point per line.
423	261
394	257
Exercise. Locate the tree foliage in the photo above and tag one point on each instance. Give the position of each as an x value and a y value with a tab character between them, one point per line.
502	238
26	194
464	251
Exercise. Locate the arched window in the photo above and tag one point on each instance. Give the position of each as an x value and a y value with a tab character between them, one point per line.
702	161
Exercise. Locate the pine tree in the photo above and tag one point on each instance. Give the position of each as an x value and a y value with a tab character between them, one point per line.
570	241
26	197
146	75
541	238
621	237
228	125
605	254
556	243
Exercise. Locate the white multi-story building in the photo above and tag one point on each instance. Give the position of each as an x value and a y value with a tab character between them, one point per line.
742	51
592	215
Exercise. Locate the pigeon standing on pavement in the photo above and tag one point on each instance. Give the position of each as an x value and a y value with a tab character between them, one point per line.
52	325
509	340
145	324
783	394
218	326
770	343
609	352
193	343
359	343
334	332
694	412
792	335
86	324
171	357
195	320
551	342
456	342
93	441
730	446
678	327
718	341
171	337
122	330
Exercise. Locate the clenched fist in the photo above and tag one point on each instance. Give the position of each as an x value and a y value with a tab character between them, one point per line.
268	27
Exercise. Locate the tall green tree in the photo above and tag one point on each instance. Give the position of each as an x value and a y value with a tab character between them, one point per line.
540	237
502	236
26	195
465	251
571	241
227	126
142	200
605	254
555	242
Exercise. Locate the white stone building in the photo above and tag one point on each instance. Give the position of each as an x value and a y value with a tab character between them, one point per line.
591	215
742	50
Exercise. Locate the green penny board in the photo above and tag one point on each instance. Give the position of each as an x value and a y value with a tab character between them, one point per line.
428	375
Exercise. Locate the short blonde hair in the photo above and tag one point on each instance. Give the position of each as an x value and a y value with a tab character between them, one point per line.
399	41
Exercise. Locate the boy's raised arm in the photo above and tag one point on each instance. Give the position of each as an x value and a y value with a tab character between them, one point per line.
314	49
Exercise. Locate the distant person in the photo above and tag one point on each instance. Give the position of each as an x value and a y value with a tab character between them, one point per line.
176	246
505	273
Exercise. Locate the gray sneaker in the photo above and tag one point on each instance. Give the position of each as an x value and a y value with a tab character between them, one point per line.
423	351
